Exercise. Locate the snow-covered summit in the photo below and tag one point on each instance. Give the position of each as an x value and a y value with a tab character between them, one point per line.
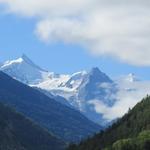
27	60
12	62
24	70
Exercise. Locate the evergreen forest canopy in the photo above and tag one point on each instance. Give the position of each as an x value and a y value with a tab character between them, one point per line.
131	132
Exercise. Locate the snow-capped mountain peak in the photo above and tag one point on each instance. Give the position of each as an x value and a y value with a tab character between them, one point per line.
96	74
91	86
12	62
27	60
95	70
24	59
24	70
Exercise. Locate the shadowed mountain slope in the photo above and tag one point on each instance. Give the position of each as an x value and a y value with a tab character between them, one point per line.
20	133
59	119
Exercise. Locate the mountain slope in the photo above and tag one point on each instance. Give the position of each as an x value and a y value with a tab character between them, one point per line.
80	90
96	86
24	70
89	87
19	133
58	98
91	92
134	122
59	119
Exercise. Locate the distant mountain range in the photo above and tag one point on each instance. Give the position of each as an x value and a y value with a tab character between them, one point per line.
60	120
92	92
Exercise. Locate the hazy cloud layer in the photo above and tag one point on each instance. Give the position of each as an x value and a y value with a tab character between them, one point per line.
119	29
129	94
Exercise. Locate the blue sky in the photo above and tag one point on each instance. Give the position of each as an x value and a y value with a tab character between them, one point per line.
17	36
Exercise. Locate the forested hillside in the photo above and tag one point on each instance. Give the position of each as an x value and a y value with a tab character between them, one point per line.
20	133
132	132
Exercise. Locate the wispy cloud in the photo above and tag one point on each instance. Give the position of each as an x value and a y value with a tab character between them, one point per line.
114	28
128	95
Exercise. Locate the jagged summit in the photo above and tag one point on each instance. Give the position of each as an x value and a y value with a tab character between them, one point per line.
95	69
26	59
23	60
24	56
24	70
96	74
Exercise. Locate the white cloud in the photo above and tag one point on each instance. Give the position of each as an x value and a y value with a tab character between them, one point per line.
129	94
114	28
47	8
